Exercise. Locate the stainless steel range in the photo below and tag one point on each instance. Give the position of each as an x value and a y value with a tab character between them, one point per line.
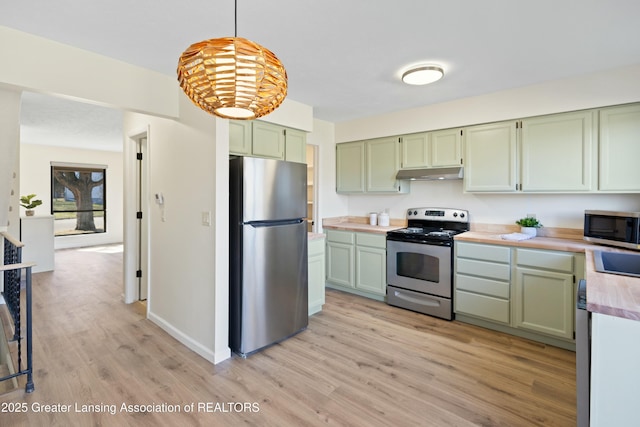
420	260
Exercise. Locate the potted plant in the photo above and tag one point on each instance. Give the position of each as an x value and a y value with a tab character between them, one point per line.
529	225
29	204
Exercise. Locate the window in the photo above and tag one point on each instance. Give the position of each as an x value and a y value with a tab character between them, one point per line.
78	198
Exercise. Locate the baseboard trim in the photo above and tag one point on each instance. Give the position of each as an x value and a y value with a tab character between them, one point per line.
206	353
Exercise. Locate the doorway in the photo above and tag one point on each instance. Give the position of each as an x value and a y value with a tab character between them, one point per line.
142	229
312	187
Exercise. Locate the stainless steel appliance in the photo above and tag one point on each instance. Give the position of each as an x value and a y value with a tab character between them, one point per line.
267	252
613	228
583	355
420	260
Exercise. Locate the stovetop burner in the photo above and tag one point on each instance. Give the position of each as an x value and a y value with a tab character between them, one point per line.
411	230
432	226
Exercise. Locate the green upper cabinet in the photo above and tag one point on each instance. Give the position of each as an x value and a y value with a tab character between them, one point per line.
382	164
369	167
490	157
558	152
546	154
268	140
295	143
446	148
350	167
262	139
619	149
432	149
416	150
240	137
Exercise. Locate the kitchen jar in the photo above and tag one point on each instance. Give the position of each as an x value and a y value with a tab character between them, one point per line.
383	219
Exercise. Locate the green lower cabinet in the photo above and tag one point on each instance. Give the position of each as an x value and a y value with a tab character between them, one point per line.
357	262
524	292
371	263
340	258
544	302
316	275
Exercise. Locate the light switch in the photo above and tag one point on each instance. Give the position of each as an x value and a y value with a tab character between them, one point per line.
206	219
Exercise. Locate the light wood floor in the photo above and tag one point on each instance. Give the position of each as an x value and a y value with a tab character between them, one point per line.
359	363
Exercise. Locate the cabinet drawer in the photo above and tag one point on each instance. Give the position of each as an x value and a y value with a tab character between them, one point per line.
491	270
545	259
373	240
482	286
490	308
337	236
484	252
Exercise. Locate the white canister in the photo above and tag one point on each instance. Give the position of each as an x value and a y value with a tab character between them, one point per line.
373	218
383	219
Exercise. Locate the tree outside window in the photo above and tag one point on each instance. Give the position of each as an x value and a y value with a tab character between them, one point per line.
78	199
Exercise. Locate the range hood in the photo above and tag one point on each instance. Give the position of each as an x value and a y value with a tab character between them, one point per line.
430	174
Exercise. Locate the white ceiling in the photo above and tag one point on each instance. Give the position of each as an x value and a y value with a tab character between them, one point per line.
344	57
46	120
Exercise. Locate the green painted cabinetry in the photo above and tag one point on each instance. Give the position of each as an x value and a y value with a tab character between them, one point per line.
262	139
483	281
525	292
544	292
369	167
490	157
581	151
350	167
432	149
619	147
240	137
558	152
268	140
356	263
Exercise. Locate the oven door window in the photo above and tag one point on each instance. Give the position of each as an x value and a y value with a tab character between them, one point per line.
418	266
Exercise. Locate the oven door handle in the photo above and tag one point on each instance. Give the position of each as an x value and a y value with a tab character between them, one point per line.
428	302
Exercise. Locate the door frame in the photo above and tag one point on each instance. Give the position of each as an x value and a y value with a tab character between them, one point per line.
132	245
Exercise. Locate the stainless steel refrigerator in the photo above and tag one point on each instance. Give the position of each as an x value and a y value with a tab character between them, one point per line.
267	252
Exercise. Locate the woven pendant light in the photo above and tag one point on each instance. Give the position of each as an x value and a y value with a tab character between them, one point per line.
232	77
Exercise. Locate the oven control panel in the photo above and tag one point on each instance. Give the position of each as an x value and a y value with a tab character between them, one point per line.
441	214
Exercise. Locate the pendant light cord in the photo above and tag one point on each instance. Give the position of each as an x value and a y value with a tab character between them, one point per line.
235	29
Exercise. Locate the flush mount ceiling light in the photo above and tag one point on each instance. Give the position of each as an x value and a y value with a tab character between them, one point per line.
232	77
422	75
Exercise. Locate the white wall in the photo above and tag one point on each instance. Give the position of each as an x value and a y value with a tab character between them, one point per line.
181	159
618	86
566	210
330	204
41	65
9	163
35	178
553	210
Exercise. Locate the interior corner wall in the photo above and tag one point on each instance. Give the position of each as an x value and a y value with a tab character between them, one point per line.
9	160
182	270
330	203
35	178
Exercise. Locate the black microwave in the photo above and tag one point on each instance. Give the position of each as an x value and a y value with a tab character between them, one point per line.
613	228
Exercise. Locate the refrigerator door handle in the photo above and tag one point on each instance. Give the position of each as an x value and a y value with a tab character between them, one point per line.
257	224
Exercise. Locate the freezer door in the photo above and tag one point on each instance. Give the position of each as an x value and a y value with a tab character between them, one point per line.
274	292
273	189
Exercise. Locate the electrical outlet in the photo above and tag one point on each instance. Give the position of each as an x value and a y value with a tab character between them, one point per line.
206	219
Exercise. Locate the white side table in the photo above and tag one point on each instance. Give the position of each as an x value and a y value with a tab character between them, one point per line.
36	232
